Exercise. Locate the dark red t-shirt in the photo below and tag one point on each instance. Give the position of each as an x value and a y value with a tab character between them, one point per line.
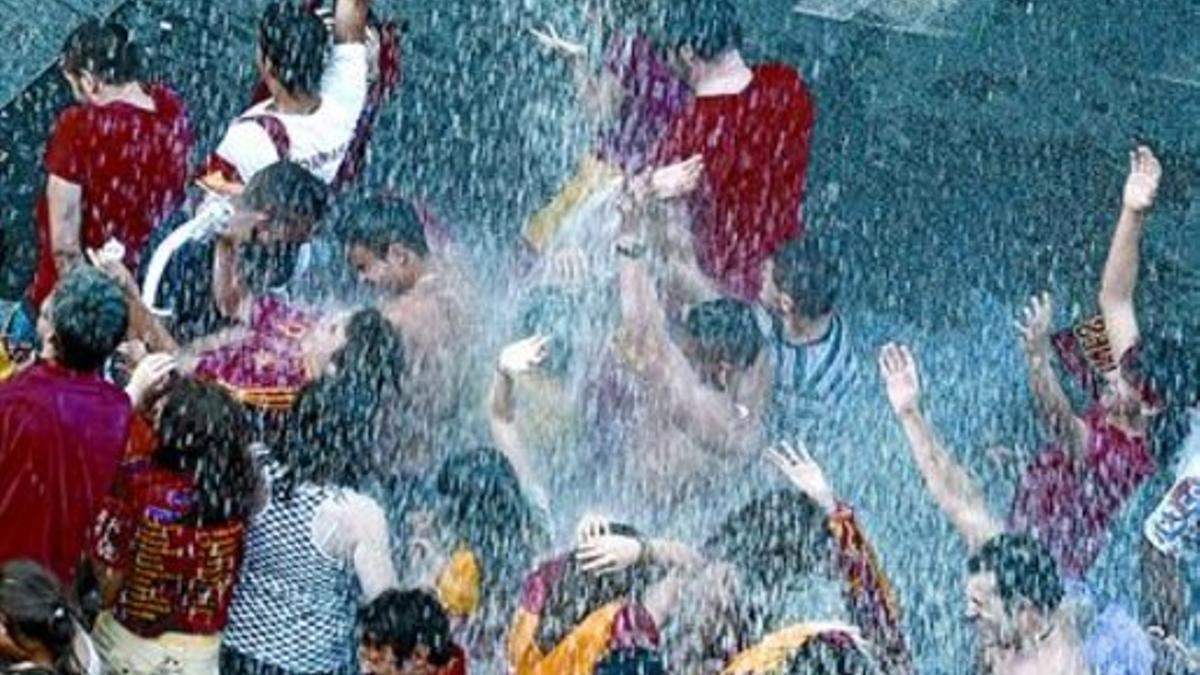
62	436
1069	504
132	165
755	146
177	576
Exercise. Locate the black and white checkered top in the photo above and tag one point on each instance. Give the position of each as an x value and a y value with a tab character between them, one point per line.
294	606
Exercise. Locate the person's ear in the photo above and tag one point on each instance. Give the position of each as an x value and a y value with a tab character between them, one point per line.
786	304
1028	620
399	254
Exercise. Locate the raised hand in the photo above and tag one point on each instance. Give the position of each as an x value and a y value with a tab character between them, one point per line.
550	40
591	526
805	474
1145	172
609	553
677	180
524	355
109	260
900	378
1034	323
150	378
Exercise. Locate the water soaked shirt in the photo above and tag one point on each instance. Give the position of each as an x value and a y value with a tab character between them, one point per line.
1069	504
266	367
62	436
132	167
755	146
653	97
811	380
1174	527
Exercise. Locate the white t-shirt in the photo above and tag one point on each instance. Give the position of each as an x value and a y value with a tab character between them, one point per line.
318	141
1174	527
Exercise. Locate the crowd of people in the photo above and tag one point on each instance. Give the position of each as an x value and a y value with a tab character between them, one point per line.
252	420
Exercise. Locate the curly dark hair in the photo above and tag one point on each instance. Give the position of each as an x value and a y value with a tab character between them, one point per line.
103	49
90	316
293	41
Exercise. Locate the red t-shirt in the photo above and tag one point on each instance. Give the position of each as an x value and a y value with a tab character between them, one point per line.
177	577
1068	505
266	367
755	146
62	435
132	165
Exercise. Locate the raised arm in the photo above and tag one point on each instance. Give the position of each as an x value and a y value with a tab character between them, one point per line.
143	324
1119	282
515	359
952	487
350	20
870	598
707	414
1057	413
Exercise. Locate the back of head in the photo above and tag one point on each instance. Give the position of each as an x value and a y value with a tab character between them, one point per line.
289	194
103	49
406	620
293	41
774	538
333	426
89	316
824	656
203	432
801	271
710	28
578	593
1024	570
483	505
725	330
35	613
377	224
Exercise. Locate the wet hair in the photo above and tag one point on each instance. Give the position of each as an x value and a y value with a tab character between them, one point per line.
1024	570
332	428
821	656
579	593
33	609
90	316
802	272
288	194
772	543
481	503
636	661
203	432
406	620
725	329
376	224
293	41
710	28
103	49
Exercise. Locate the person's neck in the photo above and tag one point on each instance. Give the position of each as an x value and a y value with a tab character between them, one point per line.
130	92
1057	650
725	75
300	103
804	333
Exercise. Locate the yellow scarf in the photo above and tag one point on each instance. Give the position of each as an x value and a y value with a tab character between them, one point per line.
459	585
577	653
774	652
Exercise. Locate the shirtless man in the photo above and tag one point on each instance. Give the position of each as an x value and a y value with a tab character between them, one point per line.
701	396
426	298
